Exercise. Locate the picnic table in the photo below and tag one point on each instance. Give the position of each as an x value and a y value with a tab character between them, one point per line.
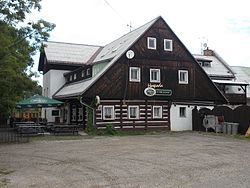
29	127
57	129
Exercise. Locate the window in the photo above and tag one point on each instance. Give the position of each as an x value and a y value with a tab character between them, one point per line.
151	43
183	77
157	111
168	45
108	112
80	114
133	112
134	74
182	111
73	118
70	78
83	73
88	72
74	76
155	75
55	112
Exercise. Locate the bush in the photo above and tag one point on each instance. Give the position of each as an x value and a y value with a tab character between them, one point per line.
110	130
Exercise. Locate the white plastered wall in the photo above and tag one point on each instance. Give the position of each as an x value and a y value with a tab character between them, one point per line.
53	80
182	123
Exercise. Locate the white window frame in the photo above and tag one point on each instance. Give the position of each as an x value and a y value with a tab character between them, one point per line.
83	73
186	77
184	113
171	45
73	118
159	77
154	40
137	112
88	72
138	74
160	115
80	114
112	113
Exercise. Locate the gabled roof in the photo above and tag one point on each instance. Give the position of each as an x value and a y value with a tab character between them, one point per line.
243	75
219	68
112	51
68	53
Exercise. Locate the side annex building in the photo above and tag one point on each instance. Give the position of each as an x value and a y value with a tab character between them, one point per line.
144	79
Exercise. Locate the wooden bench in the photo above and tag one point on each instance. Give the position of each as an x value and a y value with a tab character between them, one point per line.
65	129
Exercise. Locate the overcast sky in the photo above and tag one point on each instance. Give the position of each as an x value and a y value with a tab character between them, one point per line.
223	25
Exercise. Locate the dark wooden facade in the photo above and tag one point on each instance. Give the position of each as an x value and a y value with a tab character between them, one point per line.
114	87
114	84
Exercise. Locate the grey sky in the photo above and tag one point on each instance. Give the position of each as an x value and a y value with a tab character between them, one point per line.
223	25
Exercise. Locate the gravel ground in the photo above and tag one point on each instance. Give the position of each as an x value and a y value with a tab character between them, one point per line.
165	160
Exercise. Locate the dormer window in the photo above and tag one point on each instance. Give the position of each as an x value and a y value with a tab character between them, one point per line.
168	45
204	63
152	43
83	73
88	72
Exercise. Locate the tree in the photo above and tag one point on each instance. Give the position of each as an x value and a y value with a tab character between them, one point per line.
19	41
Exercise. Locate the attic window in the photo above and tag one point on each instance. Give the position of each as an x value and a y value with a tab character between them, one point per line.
205	63
168	45
83	73
152	43
88	72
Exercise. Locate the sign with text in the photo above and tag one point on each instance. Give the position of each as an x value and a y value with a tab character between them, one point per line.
163	92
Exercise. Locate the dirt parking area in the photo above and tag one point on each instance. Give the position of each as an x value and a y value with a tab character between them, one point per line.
163	160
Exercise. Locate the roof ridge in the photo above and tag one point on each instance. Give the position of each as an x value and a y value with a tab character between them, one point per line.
72	43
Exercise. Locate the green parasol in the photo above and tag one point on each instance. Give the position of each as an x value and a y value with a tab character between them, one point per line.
38	101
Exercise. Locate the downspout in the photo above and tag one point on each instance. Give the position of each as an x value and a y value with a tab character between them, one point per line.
93	109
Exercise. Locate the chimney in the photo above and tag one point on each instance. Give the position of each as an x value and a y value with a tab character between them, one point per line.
208	52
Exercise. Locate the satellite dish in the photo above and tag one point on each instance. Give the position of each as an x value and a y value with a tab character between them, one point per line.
130	54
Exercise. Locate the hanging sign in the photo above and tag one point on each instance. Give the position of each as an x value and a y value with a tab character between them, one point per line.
149	91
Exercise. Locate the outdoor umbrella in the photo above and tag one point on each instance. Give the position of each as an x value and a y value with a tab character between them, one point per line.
38	101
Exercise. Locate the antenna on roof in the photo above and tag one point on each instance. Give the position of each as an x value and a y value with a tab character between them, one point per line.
204	45
130	26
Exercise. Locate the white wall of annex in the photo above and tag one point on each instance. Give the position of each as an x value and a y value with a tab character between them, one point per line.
182	123
53	80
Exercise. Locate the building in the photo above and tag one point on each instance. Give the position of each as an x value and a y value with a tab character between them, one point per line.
242	74
145	79
224	77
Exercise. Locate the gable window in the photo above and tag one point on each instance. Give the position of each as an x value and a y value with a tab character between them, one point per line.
168	45
157	111
183	76
108	112
133	112
83	73
155	75
134	74
88	72
152	43
182	111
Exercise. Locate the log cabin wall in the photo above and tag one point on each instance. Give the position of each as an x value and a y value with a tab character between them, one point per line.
145	119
